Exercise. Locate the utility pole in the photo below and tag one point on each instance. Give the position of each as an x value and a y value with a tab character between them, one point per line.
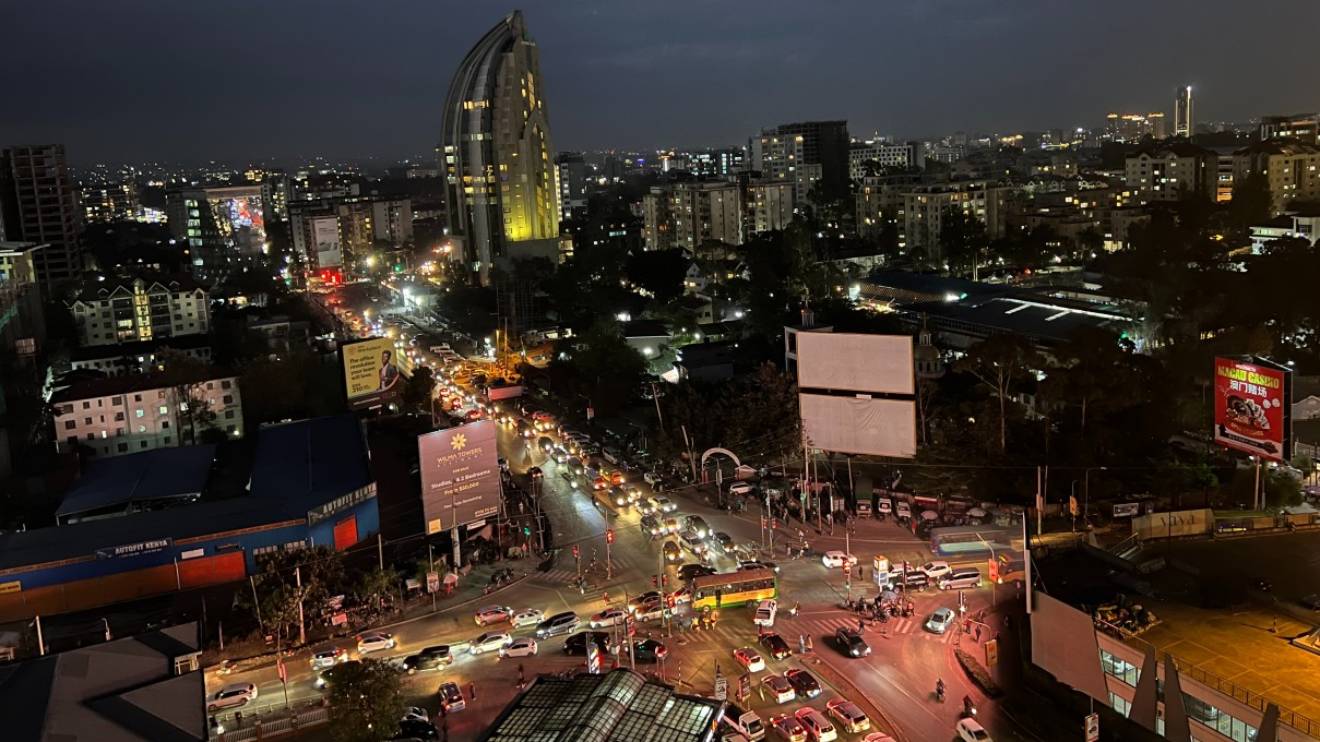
41	641
380	550
1040	503
453	535
430	558
302	626
256	604
609	564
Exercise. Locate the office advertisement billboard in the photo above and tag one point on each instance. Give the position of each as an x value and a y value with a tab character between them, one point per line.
1253	407
460	475
371	373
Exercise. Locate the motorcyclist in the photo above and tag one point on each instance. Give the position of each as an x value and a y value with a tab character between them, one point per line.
939	689
969	708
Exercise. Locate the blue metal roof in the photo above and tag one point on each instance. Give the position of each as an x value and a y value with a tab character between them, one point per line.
160	474
309	462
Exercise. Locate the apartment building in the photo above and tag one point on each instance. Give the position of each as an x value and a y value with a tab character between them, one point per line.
924	208
1172	173
126	309
770	206
1291	169
129	414
684	215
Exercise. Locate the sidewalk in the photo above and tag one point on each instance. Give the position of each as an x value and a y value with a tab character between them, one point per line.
471	589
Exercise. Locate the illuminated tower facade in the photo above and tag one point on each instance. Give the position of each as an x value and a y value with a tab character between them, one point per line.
1182	112
502	187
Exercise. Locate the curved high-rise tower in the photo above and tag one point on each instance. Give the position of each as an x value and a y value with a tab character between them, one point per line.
496	152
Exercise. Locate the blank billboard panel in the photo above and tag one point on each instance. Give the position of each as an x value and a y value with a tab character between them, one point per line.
876	427
1063	644
875	364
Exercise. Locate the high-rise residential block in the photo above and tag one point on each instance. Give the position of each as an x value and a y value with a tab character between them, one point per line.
38	204
770	205
1304	127
496	152
863	156
572	184
924	209
1172	173
224	227
129	309
805	153
684	215
1291	170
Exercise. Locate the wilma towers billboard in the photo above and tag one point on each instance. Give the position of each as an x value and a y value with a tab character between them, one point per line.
460	475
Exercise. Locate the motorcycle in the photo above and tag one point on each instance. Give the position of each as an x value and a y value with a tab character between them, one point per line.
969	708
939	691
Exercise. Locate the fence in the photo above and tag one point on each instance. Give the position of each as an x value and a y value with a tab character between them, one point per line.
1252	699
273	721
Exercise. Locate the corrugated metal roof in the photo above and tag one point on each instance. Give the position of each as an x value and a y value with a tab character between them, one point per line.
159	474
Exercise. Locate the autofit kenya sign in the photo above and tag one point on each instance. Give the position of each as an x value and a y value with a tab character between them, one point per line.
1253	401
460	475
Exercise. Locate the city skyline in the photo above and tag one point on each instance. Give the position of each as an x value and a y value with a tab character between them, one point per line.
365	84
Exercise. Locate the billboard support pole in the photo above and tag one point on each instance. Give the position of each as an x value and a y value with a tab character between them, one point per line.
380	550
430	558
453	535
1257	495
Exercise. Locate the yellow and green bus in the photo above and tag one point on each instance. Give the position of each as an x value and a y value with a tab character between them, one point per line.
732	588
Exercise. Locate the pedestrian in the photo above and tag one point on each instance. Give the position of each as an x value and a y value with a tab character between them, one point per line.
861	625
521	678
472	691
1274	626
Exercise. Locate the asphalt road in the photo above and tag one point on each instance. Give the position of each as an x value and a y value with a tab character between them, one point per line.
895	684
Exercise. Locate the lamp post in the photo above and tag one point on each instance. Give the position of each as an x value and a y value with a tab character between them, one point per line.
1086	490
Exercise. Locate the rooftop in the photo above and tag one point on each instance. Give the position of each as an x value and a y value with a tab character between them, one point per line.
1039	320
92	388
619	705
118	691
644	328
141	347
161	474
297	466
101	287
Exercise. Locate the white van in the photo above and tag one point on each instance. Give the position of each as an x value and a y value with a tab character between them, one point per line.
902	511
958	579
884	506
765	613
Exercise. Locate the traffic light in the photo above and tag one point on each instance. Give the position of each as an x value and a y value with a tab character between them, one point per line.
664	580
654	582
576	552
609	535
527	530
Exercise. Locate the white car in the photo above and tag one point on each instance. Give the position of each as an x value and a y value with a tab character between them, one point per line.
837	559
884	506
902	511
749	658
493	614
970	730
740	488
936	570
490	641
376	641
665	505
820	728
329	658
415	713
940	621
232	696
519	648
781	691
608	617
528	617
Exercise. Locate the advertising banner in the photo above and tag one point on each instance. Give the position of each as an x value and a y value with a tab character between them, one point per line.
460	475
1252	407
371	373
325	235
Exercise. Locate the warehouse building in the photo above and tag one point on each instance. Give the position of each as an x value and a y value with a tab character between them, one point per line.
311	485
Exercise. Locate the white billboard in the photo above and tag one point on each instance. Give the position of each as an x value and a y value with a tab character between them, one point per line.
325	236
875	364
859	425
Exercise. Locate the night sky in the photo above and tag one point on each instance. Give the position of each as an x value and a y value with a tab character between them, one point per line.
186	80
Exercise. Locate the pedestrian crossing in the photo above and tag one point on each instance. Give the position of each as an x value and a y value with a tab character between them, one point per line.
821	628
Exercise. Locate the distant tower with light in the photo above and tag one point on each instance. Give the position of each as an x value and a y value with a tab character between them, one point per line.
1182	112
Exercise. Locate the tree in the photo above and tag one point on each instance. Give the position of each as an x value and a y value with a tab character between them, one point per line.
417	390
599	366
376	588
287	579
660	272
998	362
1251	201
186	375
962	237
366	701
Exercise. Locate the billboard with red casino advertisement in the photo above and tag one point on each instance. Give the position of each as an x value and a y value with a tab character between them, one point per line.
1253	407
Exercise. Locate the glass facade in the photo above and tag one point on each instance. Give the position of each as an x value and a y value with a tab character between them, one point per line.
1119	668
1218	720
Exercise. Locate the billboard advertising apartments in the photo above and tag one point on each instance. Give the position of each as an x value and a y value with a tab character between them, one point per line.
371	373
1252	407
460	475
